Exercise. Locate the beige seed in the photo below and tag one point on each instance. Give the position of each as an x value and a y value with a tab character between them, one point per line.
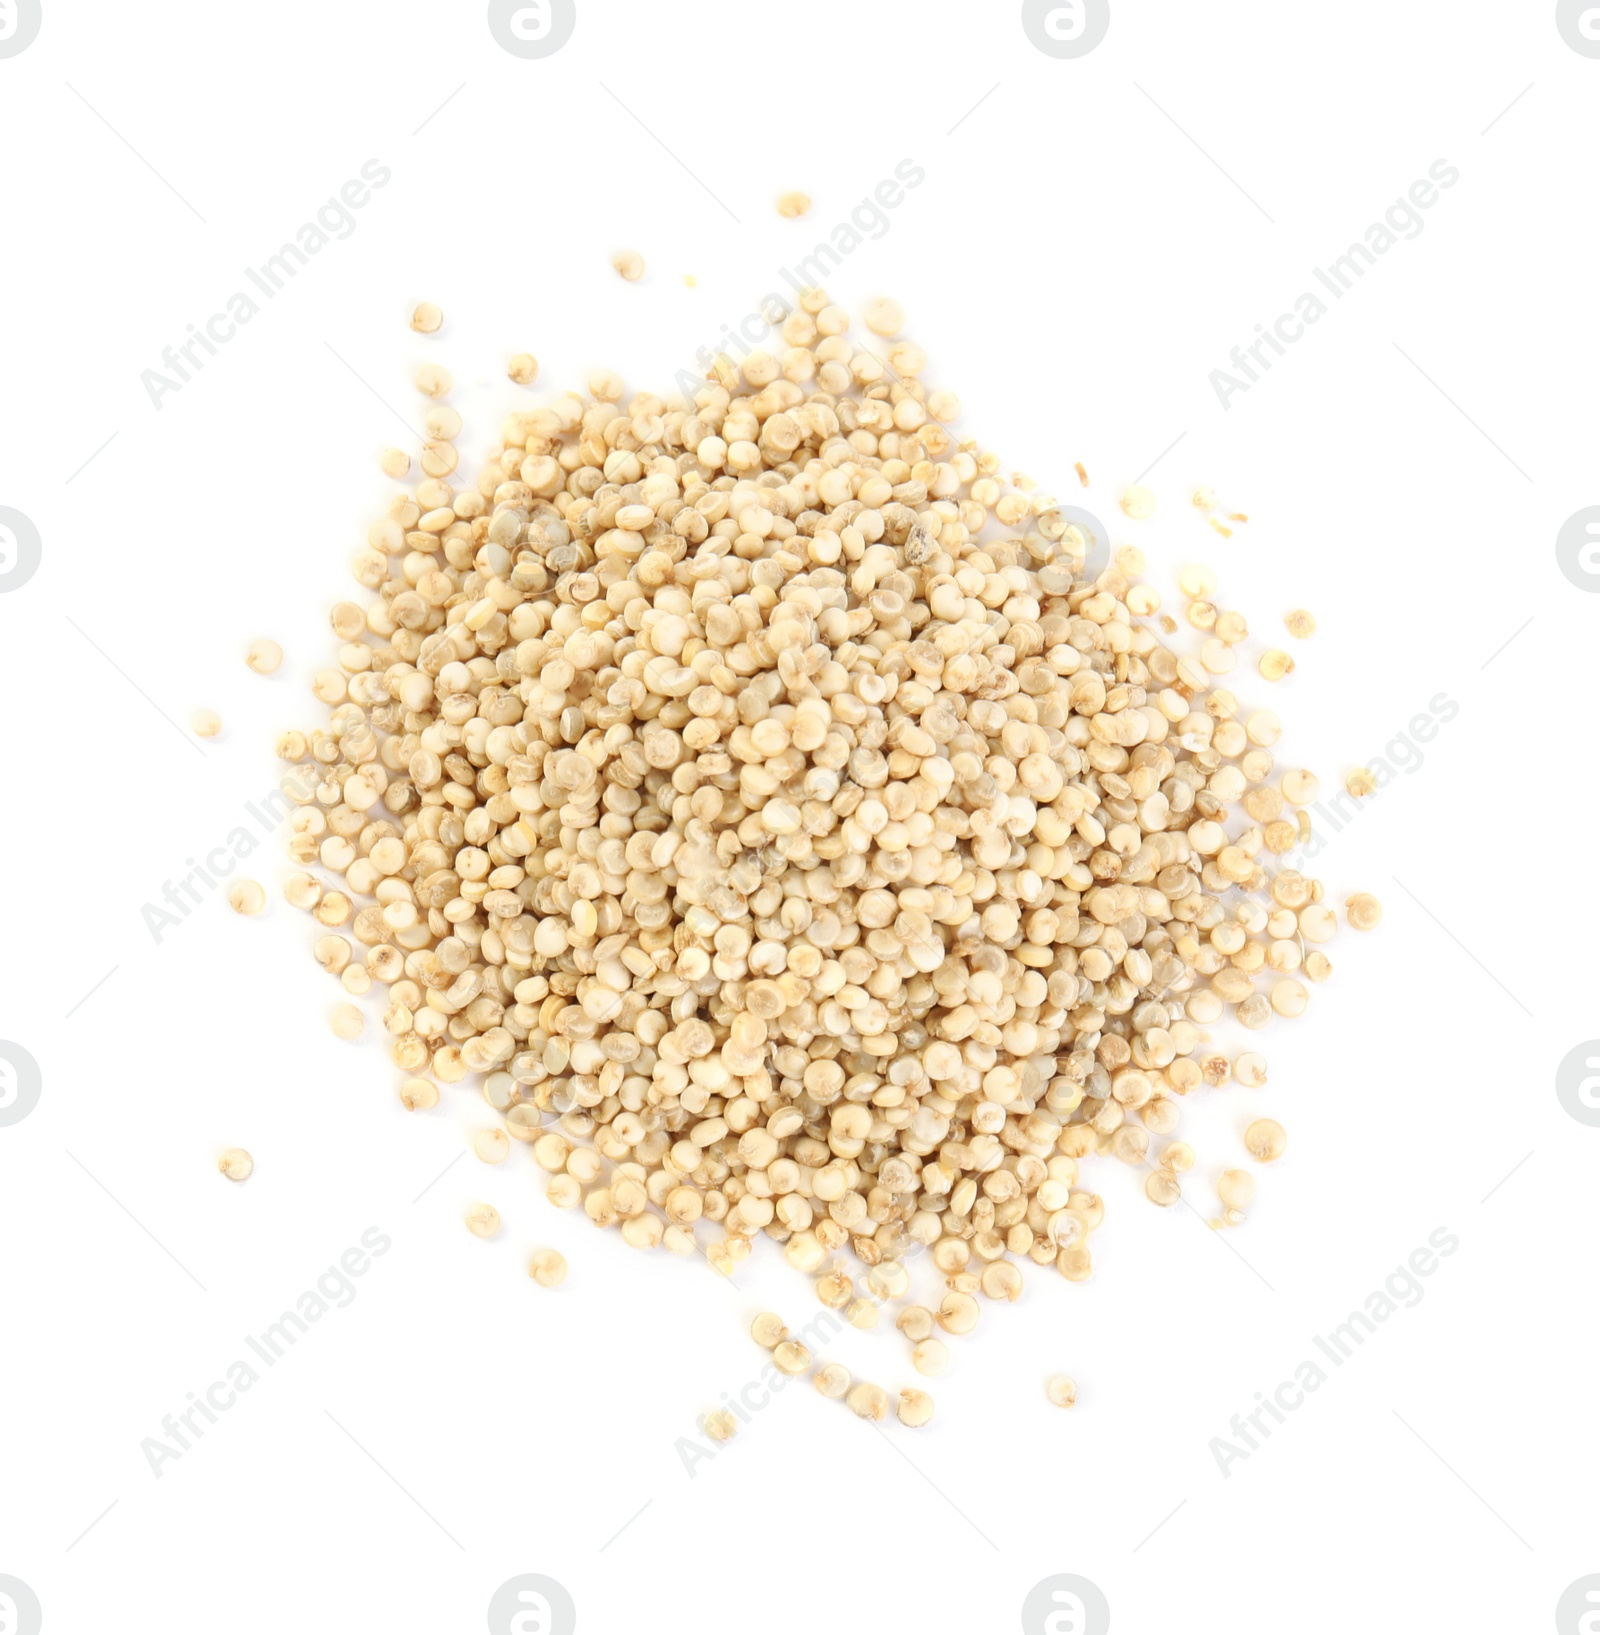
1061	1390
1363	911
1237	1189
1359	781
246	897
433	380
885	316
958	1313
418	1094
236	1164
793	204
548	1268
791	1357
523	368
769	1330
720	1426
263	656
1138	502
1289	997
426	318
915	1408
1275	664
1300	623
394	463
629	265
206	723
1162	1188
1265	1140
915	1322
930	1357
832	1380
491	1145
483	1220
1250	1069
347	1022
867	1401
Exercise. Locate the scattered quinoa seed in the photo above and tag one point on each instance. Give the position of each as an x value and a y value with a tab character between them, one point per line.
868	1401
885	316
1363	911
206	723
246	897
491	1145
1265	1140
523	368
832	1380
236	1164
1300	624
793	204
483	1220
915	1408
419	1093
347	1022
1138	503
720	1426
1062	1392
769	1330
629	265
548	1268
263	656
426	318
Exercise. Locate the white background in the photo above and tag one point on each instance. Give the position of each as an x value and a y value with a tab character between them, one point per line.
1091	240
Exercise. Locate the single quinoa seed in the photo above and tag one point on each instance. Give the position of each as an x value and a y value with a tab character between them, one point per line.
246	897
548	1268
793	204
263	656
236	1164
